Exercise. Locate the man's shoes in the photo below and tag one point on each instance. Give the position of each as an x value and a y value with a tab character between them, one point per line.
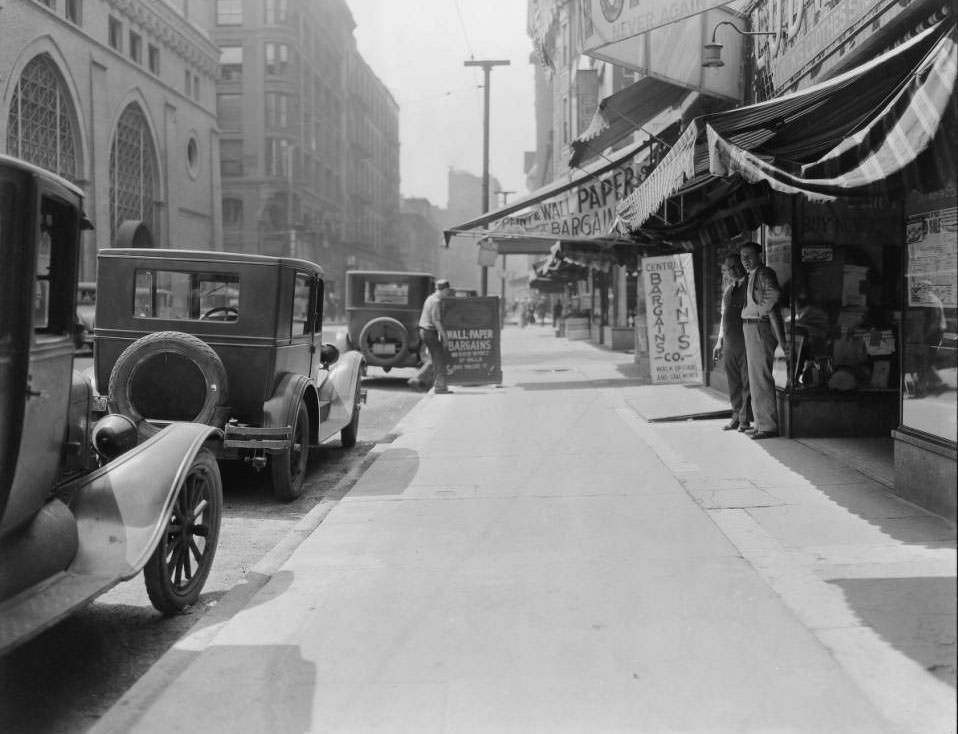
442	391
745	428
759	435
731	425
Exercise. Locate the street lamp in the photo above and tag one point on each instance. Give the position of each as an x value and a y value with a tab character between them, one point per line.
712	53
486	68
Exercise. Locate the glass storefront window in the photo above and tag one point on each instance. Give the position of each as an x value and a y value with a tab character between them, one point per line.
845	294
930	324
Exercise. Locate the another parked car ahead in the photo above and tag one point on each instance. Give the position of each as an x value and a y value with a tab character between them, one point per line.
382	315
85	312
230	340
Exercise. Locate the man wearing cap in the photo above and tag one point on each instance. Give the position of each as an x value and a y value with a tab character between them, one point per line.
433	335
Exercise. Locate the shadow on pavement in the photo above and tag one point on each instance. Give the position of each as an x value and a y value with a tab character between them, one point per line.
917	616
862	496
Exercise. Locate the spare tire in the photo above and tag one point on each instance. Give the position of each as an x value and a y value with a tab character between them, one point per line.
384	330
169	376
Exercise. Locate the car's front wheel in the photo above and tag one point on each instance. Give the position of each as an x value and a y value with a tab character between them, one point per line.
288	467
181	563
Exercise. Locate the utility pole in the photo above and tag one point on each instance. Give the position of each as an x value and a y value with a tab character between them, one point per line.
486	65
502	286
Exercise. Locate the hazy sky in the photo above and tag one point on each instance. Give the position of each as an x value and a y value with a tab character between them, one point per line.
417	48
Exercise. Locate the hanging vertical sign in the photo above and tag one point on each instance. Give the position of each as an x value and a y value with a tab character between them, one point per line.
671	314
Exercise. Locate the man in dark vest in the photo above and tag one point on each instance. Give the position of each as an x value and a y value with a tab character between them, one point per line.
730	346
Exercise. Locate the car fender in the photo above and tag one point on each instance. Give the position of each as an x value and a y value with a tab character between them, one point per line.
280	410
123	507
342	341
338	387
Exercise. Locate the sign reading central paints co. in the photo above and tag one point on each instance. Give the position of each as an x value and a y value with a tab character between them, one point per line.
472	340
672	319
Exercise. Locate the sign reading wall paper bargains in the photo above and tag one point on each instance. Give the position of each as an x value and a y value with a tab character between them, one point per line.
472	340
672	319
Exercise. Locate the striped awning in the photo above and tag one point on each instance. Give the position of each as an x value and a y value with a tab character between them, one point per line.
846	135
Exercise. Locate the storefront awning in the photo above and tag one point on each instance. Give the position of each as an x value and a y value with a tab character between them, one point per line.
579	204
846	135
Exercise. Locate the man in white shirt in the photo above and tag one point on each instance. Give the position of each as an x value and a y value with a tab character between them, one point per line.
433	335
761	303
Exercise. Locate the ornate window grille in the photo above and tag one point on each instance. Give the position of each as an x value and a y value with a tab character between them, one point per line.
42	123
133	172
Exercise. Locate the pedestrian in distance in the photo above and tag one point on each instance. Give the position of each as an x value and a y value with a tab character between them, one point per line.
761	337
433	335
730	346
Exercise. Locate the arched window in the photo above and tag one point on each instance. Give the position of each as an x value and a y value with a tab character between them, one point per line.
133	172
42	123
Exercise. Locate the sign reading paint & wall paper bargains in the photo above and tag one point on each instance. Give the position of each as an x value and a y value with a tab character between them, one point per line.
671	315
472	340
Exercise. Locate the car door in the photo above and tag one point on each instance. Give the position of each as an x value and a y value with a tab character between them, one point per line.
50	364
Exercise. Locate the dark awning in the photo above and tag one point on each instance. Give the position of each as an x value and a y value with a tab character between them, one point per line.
625	112
846	135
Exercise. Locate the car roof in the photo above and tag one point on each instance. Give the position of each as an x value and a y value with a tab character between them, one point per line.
211	256
42	172
389	272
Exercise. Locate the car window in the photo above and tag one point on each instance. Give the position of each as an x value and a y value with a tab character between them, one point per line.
8	205
175	295
52	305
392	294
302	323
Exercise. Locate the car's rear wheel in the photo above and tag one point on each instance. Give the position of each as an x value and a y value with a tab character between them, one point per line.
181	563
288	467
350	433
384	341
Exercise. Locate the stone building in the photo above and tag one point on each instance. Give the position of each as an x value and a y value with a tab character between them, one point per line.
310	136
117	96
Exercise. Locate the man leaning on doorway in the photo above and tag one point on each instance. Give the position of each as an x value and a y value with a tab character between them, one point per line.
762	333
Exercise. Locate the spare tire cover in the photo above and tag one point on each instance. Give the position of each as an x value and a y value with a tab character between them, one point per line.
387	328
168	376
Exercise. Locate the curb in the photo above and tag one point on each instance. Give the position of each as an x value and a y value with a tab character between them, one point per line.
127	710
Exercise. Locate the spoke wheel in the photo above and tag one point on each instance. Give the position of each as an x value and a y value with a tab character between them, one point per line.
180	565
288	467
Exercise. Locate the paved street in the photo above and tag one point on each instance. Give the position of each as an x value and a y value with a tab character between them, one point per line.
540	557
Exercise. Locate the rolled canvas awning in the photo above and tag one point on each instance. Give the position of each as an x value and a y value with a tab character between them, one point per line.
623	113
849	134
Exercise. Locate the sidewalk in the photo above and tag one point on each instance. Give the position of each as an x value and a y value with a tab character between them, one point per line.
540	558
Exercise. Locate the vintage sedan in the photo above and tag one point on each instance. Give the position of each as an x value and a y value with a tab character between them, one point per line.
382	315
85	502
229	340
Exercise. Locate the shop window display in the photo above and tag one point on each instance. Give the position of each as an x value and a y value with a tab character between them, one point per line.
841	298
930	322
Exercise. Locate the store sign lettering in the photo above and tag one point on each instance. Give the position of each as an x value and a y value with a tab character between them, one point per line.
804	30
672	319
587	210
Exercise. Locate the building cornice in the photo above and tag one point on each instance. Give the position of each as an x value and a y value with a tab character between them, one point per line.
164	23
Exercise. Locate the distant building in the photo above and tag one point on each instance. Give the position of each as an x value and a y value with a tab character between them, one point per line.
420	238
119	98
310	150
